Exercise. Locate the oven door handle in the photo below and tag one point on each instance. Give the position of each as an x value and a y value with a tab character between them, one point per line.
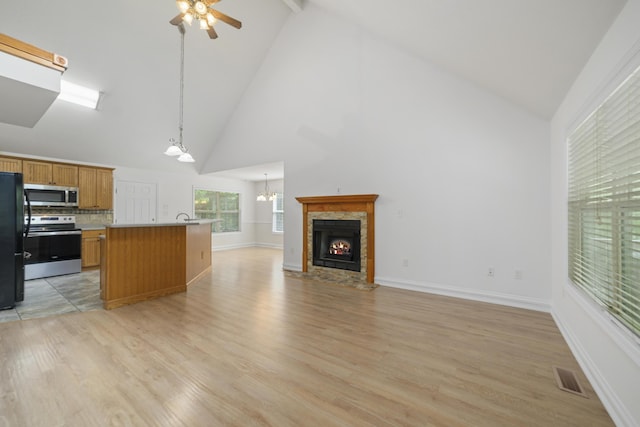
53	233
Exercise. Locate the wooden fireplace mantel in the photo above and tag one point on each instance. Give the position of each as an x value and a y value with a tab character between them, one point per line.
342	203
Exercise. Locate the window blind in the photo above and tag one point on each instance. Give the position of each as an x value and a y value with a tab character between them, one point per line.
604	204
278	214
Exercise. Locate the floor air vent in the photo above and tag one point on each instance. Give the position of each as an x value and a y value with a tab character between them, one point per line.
568	381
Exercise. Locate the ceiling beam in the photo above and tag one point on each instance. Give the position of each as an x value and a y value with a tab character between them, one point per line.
295	5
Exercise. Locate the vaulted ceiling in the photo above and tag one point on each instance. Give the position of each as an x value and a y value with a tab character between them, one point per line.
526	51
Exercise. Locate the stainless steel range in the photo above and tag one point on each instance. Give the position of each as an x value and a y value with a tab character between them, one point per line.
55	245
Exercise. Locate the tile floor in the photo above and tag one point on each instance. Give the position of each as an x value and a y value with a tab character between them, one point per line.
57	295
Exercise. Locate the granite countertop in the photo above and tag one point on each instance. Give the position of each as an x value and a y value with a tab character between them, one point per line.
91	226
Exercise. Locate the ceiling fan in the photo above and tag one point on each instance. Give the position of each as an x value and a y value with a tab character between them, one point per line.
202	11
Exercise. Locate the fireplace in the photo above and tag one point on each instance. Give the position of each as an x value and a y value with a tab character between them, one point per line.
346	254
336	244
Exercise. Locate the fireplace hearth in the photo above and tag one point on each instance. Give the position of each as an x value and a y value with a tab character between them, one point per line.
336	244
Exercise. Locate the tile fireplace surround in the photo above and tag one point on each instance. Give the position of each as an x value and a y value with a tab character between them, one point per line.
356	207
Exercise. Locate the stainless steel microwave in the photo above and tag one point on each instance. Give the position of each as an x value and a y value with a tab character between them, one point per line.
52	195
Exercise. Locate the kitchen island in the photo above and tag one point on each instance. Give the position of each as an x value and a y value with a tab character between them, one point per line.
140	262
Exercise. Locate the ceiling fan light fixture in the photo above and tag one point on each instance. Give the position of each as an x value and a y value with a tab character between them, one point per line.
200	8
183	6
203	12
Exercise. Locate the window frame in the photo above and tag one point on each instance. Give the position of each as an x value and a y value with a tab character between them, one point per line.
216	225
603	204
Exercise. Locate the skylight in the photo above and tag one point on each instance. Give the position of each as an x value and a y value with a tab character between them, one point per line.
80	95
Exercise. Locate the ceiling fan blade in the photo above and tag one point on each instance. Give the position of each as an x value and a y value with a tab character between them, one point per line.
226	19
177	20
210	2
212	33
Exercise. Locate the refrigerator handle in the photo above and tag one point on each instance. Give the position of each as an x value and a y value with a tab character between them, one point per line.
26	196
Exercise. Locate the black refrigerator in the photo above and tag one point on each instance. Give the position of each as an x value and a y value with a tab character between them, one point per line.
12	234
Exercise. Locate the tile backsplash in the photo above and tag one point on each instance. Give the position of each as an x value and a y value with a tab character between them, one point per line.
83	216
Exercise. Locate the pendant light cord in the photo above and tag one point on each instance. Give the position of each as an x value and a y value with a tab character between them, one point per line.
181	115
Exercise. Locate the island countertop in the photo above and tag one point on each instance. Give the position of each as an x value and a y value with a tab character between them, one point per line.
166	224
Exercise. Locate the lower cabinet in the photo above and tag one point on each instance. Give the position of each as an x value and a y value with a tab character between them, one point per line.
91	247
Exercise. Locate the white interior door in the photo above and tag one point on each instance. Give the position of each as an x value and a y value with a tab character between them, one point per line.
135	202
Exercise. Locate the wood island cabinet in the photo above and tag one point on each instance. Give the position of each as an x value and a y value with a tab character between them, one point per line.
10	164
91	247
140	262
95	188
47	173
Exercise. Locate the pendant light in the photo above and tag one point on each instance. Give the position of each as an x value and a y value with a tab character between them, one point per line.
177	148
265	195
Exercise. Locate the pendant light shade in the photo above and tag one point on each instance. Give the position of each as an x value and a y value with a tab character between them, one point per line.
186	158
173	149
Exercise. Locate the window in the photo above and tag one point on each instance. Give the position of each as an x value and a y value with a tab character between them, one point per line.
220	206
278	214
604	204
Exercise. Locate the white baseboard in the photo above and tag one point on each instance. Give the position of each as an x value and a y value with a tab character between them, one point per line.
246	245
269	245
233	246
615	407
292	267
484	296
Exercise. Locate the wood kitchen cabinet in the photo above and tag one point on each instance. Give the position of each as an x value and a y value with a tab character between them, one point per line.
64	175
47	173
10	164
91	247
95	188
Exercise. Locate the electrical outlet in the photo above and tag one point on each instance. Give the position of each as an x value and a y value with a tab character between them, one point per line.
517	275
491	272
405	262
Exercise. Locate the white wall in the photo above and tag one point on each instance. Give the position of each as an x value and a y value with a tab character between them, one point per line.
175	194
609	355
462	175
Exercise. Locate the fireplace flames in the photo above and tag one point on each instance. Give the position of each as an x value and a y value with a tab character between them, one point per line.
340	247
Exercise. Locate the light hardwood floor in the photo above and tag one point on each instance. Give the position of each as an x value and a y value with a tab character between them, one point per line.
247	345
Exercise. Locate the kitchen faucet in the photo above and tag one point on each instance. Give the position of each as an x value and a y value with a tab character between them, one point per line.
185	214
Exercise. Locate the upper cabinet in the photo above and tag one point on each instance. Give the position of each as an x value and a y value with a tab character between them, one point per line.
10	164
39	172
95	186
